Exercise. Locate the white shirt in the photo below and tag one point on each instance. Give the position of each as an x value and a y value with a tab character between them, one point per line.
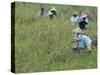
49	13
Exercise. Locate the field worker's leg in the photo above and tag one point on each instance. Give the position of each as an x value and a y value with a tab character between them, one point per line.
88	42
75	45
81	44
51	16
89	47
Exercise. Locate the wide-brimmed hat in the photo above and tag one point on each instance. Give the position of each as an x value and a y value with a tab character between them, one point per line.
75	13
77	30
53	8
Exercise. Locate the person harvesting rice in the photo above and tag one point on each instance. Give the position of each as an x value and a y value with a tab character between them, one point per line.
80	20
52	13
81	40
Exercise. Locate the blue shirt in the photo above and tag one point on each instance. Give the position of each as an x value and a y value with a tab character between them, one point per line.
83	40
76	19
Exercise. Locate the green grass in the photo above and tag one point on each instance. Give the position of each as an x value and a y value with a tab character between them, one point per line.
44	45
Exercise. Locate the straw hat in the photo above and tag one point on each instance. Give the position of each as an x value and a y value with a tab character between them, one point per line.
53	8
75	13
77	30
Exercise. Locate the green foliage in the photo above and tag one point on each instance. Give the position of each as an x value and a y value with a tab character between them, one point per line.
42	44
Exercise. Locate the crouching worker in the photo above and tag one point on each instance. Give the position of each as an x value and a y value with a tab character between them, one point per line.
81	40
74	18
52	13
80	20
84	22
42	12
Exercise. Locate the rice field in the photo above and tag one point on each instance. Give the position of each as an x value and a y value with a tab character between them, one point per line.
42	44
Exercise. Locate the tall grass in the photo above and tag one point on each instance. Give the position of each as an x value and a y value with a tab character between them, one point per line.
42	44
